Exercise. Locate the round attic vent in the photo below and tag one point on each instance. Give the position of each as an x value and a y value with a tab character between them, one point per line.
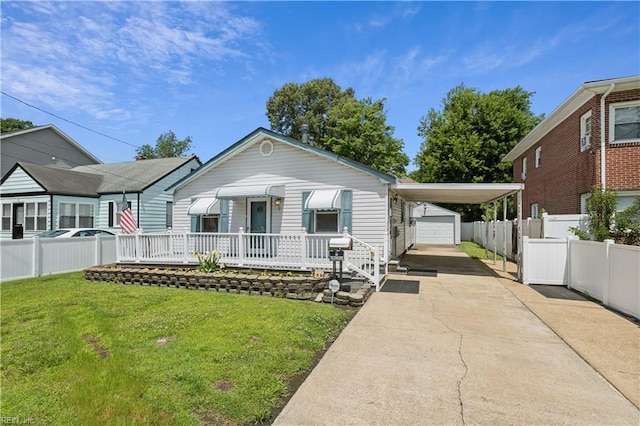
266	148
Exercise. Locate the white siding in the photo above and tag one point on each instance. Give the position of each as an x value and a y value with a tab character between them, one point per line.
20	182
299	171
5	234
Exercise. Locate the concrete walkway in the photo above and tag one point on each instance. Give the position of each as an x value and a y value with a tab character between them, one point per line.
465	350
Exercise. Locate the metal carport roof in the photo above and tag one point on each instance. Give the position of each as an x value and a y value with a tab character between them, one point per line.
456	193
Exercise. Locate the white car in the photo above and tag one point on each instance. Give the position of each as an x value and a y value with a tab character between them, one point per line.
74	232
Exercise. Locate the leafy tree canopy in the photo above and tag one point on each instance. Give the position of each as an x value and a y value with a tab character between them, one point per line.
167	145
467	139
339	123
14	124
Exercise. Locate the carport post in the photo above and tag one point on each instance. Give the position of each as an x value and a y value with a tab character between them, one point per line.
486	231
495	222
504	234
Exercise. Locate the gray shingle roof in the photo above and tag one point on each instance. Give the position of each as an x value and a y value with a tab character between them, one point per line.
63	181
132	176
96	179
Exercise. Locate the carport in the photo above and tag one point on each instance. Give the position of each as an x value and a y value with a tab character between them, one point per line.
471	193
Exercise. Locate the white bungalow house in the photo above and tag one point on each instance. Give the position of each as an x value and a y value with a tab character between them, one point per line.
272	201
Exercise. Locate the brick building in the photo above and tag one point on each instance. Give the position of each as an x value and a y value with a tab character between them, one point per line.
561	159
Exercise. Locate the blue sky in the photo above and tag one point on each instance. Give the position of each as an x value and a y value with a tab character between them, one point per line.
133	70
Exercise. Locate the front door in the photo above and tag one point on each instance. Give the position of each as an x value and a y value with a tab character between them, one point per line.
17	232
258	224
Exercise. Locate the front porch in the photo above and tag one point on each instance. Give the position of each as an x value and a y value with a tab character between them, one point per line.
299	251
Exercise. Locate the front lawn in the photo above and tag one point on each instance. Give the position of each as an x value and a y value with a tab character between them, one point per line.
78	352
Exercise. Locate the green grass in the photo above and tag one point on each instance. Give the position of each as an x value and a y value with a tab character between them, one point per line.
475	251
76	352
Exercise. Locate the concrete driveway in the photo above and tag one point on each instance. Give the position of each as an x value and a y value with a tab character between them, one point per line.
463	350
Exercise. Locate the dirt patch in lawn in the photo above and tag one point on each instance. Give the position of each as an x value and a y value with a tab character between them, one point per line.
95	344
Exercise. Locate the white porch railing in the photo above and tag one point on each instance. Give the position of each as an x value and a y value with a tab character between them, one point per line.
283	251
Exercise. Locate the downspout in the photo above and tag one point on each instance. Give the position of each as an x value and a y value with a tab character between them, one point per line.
603	172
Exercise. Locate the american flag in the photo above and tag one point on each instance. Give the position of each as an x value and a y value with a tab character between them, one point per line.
127	222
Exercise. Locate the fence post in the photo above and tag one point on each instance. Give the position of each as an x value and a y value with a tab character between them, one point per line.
607	265
303	248
241	248
118	250
523	259
36	256
570	239
98	249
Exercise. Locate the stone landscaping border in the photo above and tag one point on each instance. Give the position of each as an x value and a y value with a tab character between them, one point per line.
289	287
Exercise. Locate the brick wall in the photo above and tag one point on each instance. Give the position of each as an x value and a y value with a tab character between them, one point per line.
566	172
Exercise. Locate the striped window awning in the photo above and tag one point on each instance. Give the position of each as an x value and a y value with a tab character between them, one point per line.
204	206
251	191
324	199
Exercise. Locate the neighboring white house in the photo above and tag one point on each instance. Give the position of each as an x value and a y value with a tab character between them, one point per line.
434	224
269	183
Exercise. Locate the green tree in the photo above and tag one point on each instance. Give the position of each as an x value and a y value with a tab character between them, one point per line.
358	130
14	124
338	123
293	105
167	145
467	139
627	224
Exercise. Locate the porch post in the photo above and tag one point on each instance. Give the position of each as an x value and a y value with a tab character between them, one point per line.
138	248
241	248
376	266
118	250
185	247
504	236
303	248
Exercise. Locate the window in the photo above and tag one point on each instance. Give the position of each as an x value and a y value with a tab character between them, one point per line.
534	211
75	215
115	208
35	217
402	208
169	215
538	157
6	217
524	168
326	221
624	122
210	223
585	131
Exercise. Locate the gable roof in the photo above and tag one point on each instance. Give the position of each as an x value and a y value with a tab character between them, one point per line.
133	176
58	132
261	131
97	179
568	107
60	181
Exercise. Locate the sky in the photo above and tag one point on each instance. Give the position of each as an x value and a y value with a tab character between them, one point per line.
130	71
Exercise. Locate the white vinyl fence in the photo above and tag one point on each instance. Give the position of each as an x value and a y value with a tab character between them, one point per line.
605	271
549	226
34	257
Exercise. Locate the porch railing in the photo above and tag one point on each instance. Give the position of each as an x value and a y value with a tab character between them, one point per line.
283	251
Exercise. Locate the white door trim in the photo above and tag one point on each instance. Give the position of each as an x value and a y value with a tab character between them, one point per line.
267	200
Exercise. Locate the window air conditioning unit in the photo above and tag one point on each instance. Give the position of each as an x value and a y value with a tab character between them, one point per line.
585	141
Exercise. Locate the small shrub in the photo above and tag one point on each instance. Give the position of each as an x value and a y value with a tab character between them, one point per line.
208	262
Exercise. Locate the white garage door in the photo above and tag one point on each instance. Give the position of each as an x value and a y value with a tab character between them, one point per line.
435	229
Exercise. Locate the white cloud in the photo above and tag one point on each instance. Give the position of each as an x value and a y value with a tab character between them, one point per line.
80	54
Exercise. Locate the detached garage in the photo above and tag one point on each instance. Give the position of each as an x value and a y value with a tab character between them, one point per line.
436	225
